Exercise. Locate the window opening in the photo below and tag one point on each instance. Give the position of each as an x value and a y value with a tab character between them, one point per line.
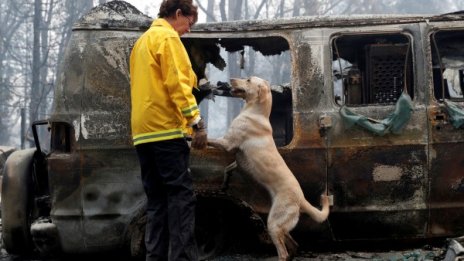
371	68
219	59
60	137
52	137
448	67
448	64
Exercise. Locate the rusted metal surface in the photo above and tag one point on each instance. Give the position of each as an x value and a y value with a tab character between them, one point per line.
446	175
384	187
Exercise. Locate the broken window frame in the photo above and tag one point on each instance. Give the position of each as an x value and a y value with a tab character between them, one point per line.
408	74
281	117
52	136
444	93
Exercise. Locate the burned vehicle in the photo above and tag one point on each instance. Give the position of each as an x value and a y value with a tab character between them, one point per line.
368	107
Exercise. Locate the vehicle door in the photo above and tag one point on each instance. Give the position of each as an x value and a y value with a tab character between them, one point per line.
110	185
377	146
274	56
445	65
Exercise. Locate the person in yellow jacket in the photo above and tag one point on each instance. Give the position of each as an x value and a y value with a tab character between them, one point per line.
163	110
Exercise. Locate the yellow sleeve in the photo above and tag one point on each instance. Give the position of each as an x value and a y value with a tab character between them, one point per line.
179	78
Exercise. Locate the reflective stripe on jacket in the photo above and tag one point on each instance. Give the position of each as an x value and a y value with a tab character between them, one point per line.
161	86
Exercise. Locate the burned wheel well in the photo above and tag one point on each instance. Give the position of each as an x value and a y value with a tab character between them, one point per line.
222	223
243	227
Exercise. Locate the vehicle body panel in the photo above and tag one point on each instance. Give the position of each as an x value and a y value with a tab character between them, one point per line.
386	181
446	158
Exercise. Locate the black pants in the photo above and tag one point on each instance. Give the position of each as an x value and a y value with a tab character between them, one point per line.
171	200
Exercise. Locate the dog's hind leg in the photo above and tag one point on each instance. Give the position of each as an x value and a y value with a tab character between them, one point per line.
291	244
283	217
227	174
278	238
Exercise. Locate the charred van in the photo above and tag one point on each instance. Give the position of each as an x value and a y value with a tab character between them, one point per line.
369	107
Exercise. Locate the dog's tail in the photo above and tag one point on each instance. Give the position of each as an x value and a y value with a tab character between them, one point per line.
318	215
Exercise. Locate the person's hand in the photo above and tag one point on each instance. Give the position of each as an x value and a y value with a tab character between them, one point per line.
199	137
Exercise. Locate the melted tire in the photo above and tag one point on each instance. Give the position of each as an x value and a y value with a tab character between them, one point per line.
17	202
212	232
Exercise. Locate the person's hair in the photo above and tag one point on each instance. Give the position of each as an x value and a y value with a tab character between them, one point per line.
168	8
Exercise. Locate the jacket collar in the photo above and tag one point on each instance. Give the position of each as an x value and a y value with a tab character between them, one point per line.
161	22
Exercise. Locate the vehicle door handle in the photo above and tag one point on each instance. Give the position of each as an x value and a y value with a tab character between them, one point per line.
439	119
325	123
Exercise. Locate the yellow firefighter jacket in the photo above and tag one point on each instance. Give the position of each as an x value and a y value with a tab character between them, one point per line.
162	79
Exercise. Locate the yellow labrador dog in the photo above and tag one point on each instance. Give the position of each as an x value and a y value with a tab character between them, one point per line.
250	138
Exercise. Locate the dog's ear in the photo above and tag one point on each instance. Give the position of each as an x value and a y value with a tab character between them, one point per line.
262	91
